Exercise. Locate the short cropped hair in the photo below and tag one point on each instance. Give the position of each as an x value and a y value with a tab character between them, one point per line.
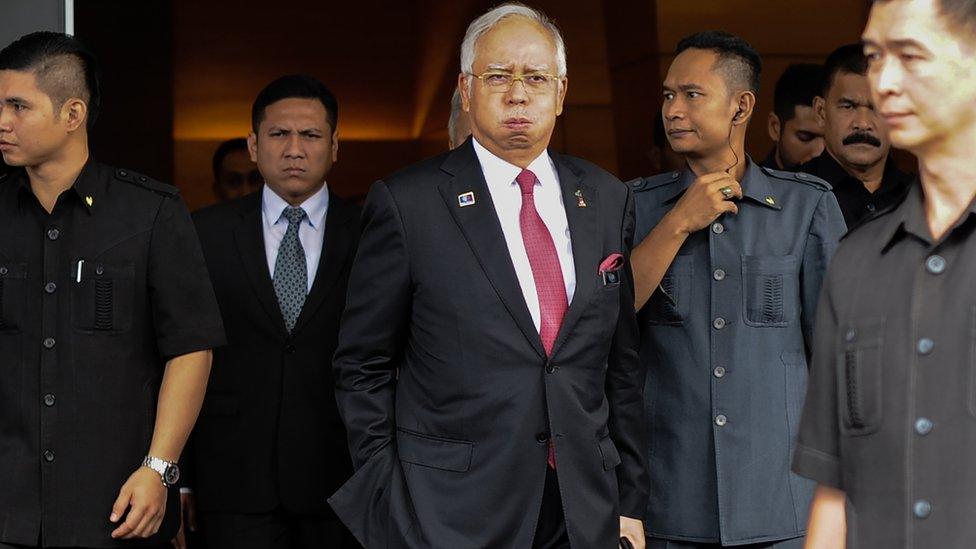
960	14
300	86
480	26
847	59
739	62
64	68
797	87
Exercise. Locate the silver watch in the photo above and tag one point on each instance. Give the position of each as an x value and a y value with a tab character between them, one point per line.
169	472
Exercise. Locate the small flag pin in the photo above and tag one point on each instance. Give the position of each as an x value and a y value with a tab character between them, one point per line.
580	201
466	199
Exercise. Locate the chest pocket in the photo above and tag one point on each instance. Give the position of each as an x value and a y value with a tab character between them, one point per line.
769	290
102	301
859	376
670	304
13	297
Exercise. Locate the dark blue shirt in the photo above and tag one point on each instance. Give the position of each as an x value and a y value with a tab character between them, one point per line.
725	340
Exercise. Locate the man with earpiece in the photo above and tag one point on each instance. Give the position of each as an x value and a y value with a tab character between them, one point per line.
727	275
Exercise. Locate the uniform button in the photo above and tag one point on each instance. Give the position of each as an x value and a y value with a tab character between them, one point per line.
123	173
719	274
850	335
53	234
719	371
48	343
49	400
3	271
718	323
925	346
922	509
50	287
935	264
48	456
923	426
290	349
550	369
871	207
721	420
99	269
718	228
542	437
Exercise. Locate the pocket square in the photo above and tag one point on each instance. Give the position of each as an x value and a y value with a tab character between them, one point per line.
611	263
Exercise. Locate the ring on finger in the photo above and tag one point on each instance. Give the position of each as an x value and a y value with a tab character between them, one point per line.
726	192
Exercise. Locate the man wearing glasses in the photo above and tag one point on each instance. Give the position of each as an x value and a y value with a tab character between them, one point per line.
487	366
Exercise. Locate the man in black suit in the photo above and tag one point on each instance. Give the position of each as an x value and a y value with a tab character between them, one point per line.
487	367
269	446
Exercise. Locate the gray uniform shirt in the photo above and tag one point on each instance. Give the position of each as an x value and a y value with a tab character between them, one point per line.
725	344
890	416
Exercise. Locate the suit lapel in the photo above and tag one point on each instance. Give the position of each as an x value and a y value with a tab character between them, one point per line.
249	236
483	233
340	221
586	238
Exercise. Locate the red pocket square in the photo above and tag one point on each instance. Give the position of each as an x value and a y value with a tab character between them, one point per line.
612	263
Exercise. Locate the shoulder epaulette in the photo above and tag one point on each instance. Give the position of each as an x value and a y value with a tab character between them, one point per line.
653	182
801	177
146	182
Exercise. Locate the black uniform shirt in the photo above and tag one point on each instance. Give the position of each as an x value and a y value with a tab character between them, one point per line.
856	202
890	414
94	297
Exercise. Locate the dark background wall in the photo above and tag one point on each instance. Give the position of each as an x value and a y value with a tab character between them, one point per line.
180	75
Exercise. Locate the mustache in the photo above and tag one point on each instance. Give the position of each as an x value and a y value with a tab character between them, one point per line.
862	137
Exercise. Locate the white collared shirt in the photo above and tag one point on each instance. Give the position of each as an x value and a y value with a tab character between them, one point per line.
507	196
311	231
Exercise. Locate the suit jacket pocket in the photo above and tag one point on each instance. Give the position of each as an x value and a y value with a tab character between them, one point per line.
611	457
670	303
860	376
769	290
437	452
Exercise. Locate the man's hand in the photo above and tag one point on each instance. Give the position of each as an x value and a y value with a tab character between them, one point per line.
188	519
703	202
145	498
633	530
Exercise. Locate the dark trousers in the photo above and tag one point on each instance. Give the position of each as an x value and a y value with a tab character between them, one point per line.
279	529
550	531
658	543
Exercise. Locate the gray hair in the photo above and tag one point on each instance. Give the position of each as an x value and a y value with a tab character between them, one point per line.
486	22
452	121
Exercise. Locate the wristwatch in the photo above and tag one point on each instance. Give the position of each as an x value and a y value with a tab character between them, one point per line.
169	472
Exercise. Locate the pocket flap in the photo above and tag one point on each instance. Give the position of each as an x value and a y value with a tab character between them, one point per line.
436	452
611	457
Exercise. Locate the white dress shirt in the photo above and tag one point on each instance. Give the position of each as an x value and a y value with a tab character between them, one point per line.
507	196
311	230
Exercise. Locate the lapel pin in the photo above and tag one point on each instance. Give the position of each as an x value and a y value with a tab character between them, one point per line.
580	201
89	201
466	199
771	201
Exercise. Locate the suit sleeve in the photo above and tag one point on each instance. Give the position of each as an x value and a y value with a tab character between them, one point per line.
625	389
826	230
373	328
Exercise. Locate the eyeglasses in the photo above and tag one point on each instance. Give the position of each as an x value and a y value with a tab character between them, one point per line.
502	82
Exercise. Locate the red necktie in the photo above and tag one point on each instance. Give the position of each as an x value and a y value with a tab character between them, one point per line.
546	271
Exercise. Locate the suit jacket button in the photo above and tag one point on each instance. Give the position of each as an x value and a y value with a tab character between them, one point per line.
550	369
290	349
542	437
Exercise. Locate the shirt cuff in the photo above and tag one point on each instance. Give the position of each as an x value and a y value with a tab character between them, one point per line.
190	341
819	466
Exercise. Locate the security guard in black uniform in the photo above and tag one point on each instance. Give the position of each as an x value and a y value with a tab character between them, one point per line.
107	318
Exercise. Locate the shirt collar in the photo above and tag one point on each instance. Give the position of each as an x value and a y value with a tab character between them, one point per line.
315	206
892	179
755	186
84	187
909	219
500	173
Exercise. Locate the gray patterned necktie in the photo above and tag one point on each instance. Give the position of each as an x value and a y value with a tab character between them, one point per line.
291	271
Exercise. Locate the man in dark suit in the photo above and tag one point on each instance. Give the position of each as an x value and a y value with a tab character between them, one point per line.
269	447
487	367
